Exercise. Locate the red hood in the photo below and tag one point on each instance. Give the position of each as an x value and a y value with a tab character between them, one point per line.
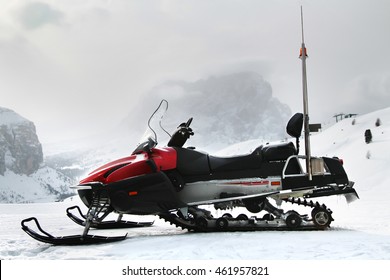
134	165
100	174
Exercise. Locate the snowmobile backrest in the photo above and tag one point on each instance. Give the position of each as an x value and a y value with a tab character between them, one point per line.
294	125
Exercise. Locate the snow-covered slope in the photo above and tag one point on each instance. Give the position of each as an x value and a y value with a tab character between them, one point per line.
44	185
360	230
368	165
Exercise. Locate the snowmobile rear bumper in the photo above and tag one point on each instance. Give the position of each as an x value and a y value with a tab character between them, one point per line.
349	192
43	236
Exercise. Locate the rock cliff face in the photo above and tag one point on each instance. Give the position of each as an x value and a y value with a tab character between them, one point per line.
24	177
20	149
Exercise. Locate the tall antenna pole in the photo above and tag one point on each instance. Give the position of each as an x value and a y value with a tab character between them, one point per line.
303	56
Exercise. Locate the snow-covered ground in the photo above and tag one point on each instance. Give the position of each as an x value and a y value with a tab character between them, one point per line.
361	230
44	185
162	241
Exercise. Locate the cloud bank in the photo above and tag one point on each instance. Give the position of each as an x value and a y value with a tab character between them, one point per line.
76	67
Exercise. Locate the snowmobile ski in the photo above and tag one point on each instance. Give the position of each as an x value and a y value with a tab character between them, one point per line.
97	211
119	223
45	237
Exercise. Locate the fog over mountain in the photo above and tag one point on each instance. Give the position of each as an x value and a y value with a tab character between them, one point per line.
226	109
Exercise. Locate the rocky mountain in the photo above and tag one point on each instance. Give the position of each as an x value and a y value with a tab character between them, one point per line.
23	174
20	149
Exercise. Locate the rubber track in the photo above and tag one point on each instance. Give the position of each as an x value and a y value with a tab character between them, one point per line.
191	223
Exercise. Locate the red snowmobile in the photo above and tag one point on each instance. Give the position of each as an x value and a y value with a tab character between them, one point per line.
173	182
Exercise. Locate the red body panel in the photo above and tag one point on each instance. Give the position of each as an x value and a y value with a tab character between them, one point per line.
165	158
134	165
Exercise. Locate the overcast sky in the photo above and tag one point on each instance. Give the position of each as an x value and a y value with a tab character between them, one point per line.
75	67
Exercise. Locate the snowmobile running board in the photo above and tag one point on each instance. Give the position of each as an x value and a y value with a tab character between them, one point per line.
43	236
104	225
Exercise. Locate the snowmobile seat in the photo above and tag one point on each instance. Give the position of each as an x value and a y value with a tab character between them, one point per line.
278	152
191	162
269	153
250	161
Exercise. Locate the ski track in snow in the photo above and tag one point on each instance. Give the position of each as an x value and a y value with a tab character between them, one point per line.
361	230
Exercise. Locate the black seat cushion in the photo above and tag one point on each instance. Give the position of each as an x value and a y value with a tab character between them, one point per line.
278	152
250	161
193	163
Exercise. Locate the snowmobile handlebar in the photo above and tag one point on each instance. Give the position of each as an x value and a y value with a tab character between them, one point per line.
185	128
188	123
180	136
